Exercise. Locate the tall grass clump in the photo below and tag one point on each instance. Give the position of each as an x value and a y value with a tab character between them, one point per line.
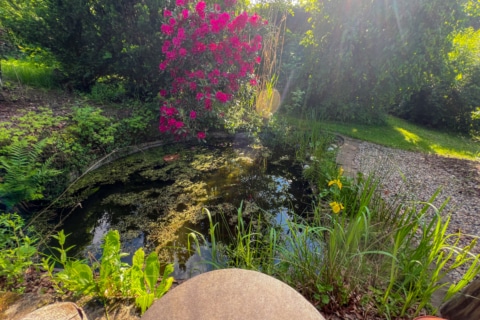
355	248
29	73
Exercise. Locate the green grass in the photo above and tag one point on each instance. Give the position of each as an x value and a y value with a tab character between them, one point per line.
28	73
400	134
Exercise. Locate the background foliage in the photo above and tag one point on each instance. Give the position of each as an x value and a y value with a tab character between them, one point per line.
93	39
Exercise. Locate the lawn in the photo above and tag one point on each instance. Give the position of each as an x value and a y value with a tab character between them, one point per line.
400	134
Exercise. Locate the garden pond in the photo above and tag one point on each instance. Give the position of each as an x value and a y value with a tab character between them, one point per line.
156	197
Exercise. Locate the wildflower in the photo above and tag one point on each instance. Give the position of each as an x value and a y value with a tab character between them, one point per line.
253	82
336	182
185	14
258	60
201	135
180	3
336	206
193	114
163	93
340	172
167	13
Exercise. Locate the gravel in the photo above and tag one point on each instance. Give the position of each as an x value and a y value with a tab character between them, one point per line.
418	176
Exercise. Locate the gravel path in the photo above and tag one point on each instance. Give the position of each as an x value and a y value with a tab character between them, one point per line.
419	175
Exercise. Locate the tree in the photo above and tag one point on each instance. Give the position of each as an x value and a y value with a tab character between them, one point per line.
93	38
364	56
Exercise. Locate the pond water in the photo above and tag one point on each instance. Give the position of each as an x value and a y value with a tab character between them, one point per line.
155	197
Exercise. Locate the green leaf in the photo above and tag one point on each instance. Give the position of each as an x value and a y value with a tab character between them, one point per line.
136	275
166	283
152	271
144	301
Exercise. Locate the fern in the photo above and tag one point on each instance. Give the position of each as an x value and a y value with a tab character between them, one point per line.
23	173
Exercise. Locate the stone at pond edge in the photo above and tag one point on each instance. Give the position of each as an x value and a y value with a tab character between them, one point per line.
58	311
232	294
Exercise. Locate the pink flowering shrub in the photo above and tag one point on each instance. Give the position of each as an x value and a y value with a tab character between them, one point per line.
209	54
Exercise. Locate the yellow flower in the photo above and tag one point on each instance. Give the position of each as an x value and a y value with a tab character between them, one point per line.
337	182
336	206
340	172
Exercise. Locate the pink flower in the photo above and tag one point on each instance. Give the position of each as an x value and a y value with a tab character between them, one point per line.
201	135
200	6
254	19
172	21
171	55
222	97
192	86
182	52
199	96
163	128
217	7
193	114
253	82
185	14
178	124
258	59
166	29
177	42
163	65
180	3
172	122
163	93
181	33
212	46
166	45
208	104
167	13
199	47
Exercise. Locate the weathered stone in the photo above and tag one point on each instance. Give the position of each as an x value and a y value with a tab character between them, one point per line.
58	311
231	294
465	305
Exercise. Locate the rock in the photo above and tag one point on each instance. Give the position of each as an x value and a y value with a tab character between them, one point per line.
464	306
58	311
232	294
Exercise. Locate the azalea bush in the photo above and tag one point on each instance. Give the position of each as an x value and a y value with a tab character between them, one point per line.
209	56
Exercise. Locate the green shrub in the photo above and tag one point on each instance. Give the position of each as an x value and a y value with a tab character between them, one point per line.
25	172
31	126
110	278
16	249
107	91
88	135
94	39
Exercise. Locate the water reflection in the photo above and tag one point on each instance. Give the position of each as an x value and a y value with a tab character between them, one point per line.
154	203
